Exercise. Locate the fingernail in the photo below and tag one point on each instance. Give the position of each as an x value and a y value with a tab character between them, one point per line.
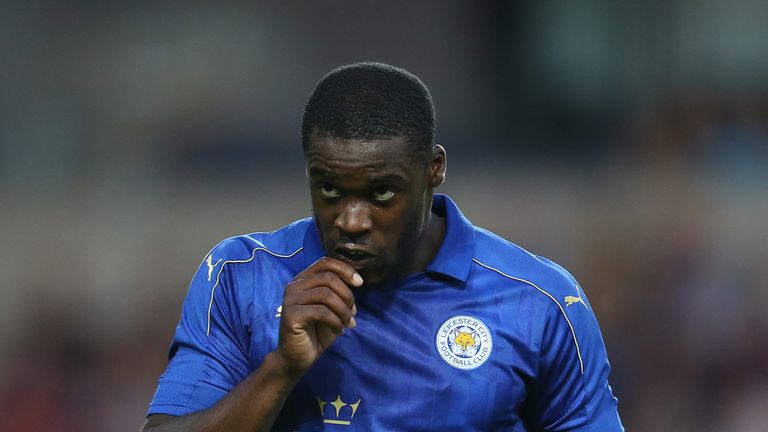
354	309
352	323
357	280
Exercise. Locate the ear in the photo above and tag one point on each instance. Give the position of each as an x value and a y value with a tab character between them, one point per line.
437	166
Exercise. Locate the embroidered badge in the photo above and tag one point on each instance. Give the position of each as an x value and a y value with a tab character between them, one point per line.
464	342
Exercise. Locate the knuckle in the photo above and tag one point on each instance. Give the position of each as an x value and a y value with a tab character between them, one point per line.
324	293
292	288
332	317
293	285
347	297
329	277
288	299
325	314
287	313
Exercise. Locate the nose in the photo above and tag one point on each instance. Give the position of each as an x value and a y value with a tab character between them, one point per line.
354	218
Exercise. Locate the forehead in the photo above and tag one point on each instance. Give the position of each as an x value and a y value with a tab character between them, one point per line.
328	156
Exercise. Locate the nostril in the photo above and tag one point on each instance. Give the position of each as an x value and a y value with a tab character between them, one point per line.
354	219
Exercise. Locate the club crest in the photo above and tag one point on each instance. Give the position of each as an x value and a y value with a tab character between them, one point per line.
464	342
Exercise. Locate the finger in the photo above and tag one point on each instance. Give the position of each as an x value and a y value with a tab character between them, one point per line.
317	313
326	296
332	281
327	279
325	336
341	269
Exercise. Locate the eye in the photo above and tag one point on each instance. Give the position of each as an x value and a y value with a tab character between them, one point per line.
383	194
329	191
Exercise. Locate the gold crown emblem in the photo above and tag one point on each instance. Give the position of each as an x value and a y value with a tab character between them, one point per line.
342	417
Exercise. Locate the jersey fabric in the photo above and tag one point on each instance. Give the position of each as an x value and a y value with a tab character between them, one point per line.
488	338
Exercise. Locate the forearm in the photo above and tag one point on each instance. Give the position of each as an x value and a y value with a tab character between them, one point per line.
253	405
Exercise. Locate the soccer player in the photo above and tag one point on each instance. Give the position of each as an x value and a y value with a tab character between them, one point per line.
387	310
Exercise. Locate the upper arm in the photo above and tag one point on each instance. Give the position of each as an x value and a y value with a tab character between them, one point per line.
572	391
209	353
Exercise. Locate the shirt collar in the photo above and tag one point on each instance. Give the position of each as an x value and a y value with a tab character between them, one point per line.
453	259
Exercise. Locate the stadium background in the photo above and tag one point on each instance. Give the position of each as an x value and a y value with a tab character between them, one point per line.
625	140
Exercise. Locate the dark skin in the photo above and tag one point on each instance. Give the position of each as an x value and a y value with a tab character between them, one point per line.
371	201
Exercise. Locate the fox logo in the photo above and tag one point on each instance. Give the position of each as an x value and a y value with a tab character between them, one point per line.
211	265
464	340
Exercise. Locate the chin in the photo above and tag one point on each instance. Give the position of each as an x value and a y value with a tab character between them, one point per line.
376	276
369	279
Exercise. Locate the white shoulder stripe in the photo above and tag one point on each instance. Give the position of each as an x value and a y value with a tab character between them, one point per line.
248	236
253	254
573	333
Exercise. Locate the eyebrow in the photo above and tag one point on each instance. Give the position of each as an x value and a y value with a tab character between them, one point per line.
388	178
385	178
319	172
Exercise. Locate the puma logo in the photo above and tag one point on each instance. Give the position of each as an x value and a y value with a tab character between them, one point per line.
211	265
569	300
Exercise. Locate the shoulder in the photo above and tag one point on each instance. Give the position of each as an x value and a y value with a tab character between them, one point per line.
285	242
559	297
244	275
510	261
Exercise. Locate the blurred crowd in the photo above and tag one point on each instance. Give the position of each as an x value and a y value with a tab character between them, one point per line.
679	278
132	140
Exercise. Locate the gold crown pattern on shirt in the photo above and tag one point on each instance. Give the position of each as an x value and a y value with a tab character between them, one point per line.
338	415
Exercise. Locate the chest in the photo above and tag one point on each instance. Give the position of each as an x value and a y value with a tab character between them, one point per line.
421	359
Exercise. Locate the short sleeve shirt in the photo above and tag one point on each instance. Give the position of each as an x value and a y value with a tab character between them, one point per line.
487	337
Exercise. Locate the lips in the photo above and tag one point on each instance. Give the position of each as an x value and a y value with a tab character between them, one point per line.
354	256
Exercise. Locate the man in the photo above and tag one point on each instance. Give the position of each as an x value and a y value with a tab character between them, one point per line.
387	310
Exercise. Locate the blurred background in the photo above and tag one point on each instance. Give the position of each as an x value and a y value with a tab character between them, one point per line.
627	141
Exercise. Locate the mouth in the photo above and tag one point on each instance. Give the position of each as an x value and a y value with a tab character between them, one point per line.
357	258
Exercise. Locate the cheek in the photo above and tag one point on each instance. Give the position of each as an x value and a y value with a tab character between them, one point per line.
392	221
323	212
401	230
324	219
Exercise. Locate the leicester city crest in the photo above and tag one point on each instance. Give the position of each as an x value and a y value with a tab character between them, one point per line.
464	342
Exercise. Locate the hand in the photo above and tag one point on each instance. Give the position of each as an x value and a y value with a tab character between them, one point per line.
317	306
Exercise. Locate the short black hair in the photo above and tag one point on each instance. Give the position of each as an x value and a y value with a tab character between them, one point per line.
370	100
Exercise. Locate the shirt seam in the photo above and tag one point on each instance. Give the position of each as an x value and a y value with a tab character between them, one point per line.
551	297
221	270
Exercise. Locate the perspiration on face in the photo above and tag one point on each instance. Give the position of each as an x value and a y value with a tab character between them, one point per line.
373	195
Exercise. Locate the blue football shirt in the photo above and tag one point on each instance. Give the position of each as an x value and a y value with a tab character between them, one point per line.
488	338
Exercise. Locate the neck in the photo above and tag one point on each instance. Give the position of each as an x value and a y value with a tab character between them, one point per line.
430	242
